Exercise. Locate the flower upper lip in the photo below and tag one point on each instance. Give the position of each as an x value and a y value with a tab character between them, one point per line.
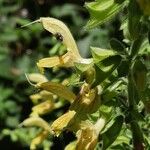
57	27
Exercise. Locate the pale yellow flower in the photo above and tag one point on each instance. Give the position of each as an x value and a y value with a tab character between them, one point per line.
42	108
38	139
87	136
36	121
66	121
58	28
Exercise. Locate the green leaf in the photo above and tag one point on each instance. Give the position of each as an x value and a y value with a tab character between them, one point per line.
101	11
123	68
105	67
111	91
106	111
117	46
99	54
136	45
80	67
112	133
134	19
133	94
74	80
121	139
136	132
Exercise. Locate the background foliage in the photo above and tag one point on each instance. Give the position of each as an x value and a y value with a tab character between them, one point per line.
20	48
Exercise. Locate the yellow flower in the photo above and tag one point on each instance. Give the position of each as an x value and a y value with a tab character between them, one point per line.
71	146
36	121
85	103
61	31
38	139
42	108
65	121
58	89
42	95
36	77
88	135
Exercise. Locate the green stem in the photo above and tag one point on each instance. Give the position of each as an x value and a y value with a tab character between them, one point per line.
135	47
137	136
133	100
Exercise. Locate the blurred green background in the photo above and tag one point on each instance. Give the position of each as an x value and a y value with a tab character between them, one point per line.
21	48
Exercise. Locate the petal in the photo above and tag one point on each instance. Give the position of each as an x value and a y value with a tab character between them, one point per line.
43	95
38	139
36	121
87	139
63	122
66	60
43	107
58	89
36	77
56	26
71	146
49	62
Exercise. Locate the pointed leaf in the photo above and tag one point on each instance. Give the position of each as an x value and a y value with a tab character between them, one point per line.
117	46
123	68
99	54
102	10
83	67
134	19
112	133
105	67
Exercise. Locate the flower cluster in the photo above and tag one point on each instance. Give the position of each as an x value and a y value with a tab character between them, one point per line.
86	102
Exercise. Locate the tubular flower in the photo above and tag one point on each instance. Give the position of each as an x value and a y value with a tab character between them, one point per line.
66	121
42	95
61	32
47	103
38	139
36	121
42	108
86	102
36	78
88	136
